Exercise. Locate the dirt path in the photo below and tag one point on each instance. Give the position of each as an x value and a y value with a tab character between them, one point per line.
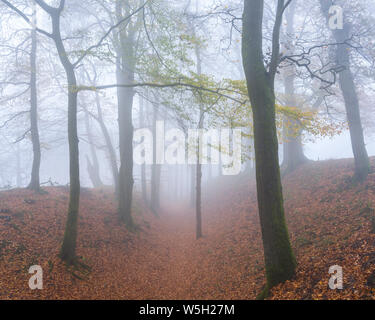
177	243
162	261
162	265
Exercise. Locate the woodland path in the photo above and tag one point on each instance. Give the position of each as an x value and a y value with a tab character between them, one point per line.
161	261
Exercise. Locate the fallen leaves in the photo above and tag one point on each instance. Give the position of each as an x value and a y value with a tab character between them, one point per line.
329	219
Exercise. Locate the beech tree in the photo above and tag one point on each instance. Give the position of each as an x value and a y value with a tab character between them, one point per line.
343	37
68	249
293	155
280	262
35	175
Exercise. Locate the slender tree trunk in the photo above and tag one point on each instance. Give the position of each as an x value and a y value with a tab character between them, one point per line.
193	185
34	182
209	173
18	167
143	167
108	141
125	73
280	262
93	168
198	203
293	155
126	131
346	82
68	249
198	196
155	170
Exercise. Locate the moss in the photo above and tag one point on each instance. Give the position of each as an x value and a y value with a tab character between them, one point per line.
264	294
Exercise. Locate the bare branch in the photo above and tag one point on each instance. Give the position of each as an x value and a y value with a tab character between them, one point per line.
24	17
108	33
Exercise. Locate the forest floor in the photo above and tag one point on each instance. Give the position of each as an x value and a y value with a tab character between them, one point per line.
329	218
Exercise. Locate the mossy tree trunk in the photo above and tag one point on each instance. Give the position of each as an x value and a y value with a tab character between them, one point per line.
280	262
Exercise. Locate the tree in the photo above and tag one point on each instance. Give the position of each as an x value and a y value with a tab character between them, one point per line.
155	167
347	86
35	177
92	166
143	166
293	155
125	74
111	152
68	248
280	262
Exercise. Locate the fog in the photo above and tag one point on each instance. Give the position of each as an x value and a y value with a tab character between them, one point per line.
85	87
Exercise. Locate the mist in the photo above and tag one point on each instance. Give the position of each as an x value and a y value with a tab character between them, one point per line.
206	147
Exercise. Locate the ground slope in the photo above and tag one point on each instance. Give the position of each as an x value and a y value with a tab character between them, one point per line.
330	223
329	220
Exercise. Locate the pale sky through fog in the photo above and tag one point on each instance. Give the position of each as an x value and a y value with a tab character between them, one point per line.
336	148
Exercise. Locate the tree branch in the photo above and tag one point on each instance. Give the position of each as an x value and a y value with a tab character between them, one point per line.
24	17
217	91
108	33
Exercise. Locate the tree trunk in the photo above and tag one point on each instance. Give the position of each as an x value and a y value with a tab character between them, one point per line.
293	155
125	65
125	115
346	81
193	185
92	168
18	167
198	203
110	149
209	173
68	249
198	196
35	176
155	169
143	166
280	262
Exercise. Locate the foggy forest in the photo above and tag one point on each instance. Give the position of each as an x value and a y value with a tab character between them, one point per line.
187	150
